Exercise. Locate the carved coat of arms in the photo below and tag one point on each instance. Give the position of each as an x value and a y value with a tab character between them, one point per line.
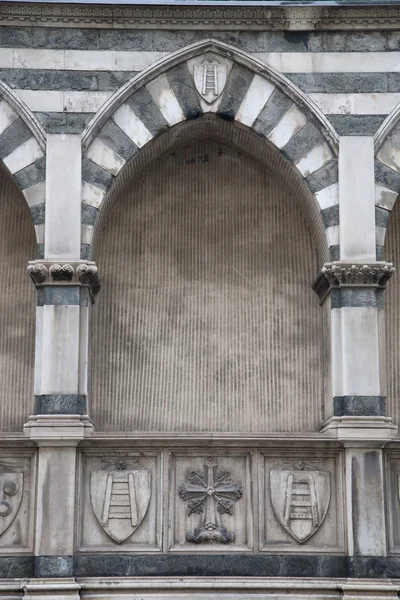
210	493
11	487
120	499
300	497
210	78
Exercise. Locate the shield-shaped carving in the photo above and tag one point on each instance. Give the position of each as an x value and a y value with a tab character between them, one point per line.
300	499
11	487
209	78
120	500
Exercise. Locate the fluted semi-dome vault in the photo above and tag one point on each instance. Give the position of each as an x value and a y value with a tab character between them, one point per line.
212	77
207	244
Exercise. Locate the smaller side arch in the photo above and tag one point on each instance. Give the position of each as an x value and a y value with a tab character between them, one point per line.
254	95
387	174
22	151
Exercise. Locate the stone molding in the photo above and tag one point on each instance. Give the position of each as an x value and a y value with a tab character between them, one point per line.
58	430
349	275
82	273
278	18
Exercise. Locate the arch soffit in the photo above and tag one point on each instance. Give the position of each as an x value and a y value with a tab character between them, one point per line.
22	151
255	95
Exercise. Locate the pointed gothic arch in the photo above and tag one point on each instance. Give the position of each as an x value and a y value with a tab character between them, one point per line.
22	151
254	96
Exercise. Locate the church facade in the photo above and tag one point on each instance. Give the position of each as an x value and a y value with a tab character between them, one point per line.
200	316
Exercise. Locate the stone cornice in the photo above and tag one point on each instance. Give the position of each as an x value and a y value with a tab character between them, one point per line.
279	18
65	273
341	274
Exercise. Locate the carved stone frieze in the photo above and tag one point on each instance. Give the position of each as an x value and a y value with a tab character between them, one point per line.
203	17
75	273
340	274
11	487
210	493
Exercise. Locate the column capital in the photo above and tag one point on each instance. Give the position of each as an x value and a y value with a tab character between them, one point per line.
343	274
50	273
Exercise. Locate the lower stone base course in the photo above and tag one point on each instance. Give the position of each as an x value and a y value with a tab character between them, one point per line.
206	565
198	588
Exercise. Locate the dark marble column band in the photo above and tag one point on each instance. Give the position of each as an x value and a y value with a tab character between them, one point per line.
60	404
357	297
54	566
359	406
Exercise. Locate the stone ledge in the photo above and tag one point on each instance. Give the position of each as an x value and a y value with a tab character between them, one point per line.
58	430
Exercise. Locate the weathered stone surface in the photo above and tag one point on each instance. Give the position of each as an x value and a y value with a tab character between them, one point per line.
386	176
305	140
331	215
31	174
324	177
234	92
115	138
356	124
53	566
381	216
359	406
277	105
96	175
333	83
147	111
14	136
55	122
182	85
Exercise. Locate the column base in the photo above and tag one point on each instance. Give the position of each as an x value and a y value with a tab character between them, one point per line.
58	430
56	589
365	431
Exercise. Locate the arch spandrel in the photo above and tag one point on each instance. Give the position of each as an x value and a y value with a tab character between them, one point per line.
248	93
22	151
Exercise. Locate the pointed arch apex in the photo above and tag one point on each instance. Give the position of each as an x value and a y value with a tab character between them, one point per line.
237	56
25	113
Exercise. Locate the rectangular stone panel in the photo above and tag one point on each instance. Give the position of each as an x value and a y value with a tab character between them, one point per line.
17	493
211	505
393	501
120	501
301	502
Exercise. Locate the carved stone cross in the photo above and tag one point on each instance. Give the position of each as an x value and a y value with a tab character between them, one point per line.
212	493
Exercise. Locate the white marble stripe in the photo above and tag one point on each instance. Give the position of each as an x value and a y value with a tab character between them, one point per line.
291	123
92	195
332	235
136	60
331	104
356	104
380	235
166	100
104	156
86	234
71	101
385	197
254	101
36	194
7	115
315	159
130	124
328	196
39	230
23	156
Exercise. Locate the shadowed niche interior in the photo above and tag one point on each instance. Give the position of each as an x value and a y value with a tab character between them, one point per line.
206	320
17	306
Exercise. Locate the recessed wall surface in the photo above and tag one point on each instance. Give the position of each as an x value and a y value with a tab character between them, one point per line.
17	307
392	316
206	320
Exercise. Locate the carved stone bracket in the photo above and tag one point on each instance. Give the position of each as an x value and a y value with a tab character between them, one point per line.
340	274
74	273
